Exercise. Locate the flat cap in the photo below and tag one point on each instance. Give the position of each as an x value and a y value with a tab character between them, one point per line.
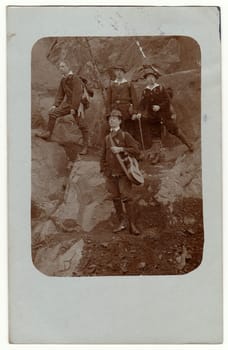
115	113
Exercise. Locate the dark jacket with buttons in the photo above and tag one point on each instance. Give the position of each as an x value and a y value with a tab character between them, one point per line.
109	164
121	96
157	96
70	88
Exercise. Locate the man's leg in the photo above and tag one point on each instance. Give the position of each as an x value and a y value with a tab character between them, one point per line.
155	135
173	129
156	147
125	187
131	217
58	112
183	139
113	188
83	126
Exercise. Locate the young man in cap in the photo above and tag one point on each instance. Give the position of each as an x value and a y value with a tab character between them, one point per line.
118	184
71	98
155	106
121	95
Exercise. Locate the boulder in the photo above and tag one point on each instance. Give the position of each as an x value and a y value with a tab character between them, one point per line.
183	180
49	165
84	200
59	261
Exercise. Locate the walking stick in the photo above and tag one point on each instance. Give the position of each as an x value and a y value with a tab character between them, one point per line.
141	134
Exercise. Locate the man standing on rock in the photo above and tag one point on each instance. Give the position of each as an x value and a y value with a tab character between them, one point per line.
118	142
156	109
71	98
122	96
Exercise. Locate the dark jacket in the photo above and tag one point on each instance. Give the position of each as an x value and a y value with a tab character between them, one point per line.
109	164
71	87
120	96
156	96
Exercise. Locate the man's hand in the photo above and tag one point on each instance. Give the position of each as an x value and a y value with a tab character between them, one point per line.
156	108
174	116
52	108
116	149
136	116
72	112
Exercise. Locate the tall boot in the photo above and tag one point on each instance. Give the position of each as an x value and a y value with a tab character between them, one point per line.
131	218
85	137
156	147
120	214
46	135
182	137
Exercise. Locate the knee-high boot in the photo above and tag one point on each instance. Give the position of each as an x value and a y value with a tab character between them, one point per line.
46	135
85	137
131	218
85	134
120	214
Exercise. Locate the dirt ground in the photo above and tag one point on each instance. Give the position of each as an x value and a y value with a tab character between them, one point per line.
161	249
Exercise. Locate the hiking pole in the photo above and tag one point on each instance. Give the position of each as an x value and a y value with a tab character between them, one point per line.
140	48
141	134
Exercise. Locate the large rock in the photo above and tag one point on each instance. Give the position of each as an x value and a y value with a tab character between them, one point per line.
84	201
186	86
49	164
44	229
66	131
183	180
59	260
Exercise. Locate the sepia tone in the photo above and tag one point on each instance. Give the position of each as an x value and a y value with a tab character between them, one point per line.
72	213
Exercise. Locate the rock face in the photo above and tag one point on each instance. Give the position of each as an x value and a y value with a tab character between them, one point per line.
59	260
73	202
48	170
84	200
183	180
186	86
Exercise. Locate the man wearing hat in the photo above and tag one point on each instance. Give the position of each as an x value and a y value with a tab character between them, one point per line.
156	108
121	95
118	184
71	98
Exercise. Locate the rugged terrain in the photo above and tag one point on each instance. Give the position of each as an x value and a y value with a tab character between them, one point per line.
72	216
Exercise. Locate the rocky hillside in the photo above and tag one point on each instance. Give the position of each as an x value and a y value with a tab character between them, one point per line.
72	216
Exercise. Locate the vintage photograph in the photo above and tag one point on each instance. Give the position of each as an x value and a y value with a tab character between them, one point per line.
116	156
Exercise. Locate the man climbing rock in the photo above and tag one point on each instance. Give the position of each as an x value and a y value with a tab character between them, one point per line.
71	98
118	184
121	95
156	109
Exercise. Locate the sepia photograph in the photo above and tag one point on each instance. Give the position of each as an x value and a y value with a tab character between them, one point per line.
116	155
114	174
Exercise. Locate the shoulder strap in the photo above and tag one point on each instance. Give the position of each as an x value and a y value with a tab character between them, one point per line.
121	162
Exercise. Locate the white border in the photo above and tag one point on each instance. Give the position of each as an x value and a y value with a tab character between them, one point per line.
3	142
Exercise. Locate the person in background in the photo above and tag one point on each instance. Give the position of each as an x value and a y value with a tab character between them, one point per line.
71	98
121	95
155	109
